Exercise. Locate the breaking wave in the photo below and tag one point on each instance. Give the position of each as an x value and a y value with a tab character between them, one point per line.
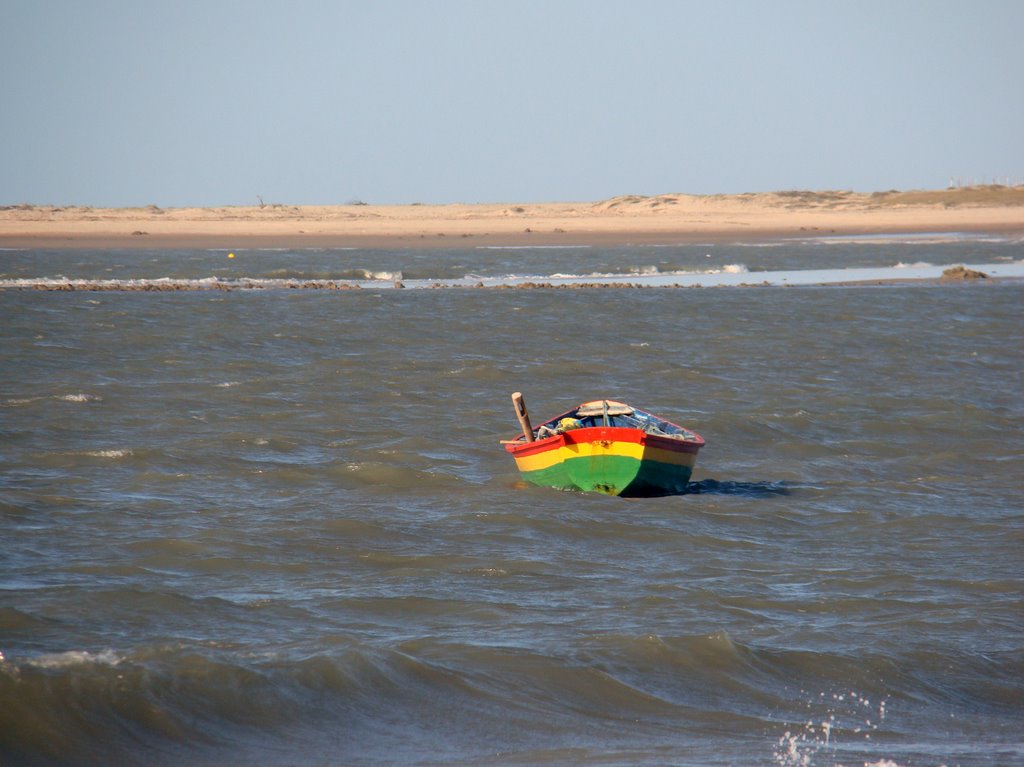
171	702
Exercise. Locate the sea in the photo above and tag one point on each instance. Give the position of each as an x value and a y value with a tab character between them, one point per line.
255	510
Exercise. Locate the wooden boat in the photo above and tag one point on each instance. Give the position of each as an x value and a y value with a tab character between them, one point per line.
606	447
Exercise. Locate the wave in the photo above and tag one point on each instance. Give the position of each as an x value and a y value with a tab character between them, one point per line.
353	274
649	270
189	284
109	453
71	658
909	238
151	703
368	274
652	270
74	397
79	397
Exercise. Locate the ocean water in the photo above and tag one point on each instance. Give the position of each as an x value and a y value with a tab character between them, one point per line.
275	526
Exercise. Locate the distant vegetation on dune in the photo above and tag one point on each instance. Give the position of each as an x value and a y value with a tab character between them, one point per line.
994	195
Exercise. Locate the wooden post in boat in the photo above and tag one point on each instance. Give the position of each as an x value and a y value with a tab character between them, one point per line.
523	416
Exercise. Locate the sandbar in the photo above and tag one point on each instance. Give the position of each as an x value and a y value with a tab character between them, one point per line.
632	219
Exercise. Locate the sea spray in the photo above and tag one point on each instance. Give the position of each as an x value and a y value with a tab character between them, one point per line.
838	715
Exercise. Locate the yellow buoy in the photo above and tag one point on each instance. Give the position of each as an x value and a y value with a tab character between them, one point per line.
231	255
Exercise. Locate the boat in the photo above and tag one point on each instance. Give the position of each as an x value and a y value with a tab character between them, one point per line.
605	446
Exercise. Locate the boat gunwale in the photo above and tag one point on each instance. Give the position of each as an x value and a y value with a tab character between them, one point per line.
584	434
588	434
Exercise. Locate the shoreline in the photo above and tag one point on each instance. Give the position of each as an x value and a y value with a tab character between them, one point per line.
630	220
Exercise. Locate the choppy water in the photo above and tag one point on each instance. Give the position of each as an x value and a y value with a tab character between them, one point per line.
276	527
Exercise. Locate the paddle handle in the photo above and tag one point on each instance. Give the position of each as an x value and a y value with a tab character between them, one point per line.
522	415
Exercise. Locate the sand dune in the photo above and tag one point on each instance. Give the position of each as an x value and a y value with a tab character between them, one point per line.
665	218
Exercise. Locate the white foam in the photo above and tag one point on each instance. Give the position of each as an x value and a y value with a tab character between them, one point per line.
75	658
108	453
79	397
911	238
849	711
641	272
389	276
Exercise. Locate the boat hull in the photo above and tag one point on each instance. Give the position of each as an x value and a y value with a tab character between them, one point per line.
611	460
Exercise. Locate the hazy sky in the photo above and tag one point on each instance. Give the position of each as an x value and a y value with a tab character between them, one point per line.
214	102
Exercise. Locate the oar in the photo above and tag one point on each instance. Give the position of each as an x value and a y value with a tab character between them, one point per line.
522	415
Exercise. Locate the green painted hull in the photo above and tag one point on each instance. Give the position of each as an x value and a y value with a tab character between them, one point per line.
613	475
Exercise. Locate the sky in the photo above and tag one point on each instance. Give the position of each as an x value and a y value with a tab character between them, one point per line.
218	102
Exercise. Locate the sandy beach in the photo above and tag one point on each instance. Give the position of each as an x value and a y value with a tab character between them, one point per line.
661	219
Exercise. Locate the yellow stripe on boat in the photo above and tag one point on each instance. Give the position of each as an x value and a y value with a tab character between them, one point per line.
601	448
